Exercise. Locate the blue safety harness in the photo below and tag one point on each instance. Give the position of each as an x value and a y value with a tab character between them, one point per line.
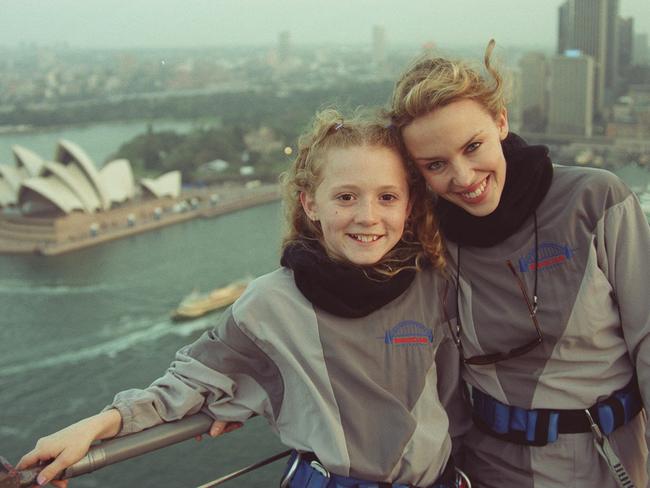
305	471
539	427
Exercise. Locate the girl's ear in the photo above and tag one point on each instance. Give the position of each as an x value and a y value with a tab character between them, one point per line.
502	124
309	205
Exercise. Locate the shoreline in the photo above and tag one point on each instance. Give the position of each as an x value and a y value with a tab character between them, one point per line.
69	233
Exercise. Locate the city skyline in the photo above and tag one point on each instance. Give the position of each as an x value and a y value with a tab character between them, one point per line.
203	23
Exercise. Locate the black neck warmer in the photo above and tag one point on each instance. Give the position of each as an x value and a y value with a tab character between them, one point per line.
529	173
338	288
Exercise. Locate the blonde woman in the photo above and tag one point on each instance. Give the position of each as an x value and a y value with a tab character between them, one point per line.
550	307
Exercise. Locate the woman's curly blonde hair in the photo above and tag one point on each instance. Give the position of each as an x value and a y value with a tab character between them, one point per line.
432	83
331	130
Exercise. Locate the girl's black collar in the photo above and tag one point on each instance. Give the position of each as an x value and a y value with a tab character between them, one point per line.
338	288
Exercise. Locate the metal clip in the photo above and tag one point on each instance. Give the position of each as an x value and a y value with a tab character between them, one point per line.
534	311
319	467
598	434
286	479
604	448
462	480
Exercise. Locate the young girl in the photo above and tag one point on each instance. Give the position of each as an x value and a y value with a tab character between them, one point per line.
552	271
336	348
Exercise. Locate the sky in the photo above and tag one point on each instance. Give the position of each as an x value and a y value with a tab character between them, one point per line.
203	23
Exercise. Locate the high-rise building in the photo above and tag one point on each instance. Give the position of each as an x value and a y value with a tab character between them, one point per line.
586	25
611	57
640	51
564	28
625	42
533	69
514	103
571	101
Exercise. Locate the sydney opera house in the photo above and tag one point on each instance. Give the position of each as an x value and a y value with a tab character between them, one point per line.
72	183
44	202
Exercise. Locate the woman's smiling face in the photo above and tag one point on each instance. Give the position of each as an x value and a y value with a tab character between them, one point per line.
457	149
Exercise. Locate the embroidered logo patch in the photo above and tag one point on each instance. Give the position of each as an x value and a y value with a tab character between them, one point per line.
549	254
409	332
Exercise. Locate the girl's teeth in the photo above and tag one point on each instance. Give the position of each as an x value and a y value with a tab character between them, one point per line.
364	238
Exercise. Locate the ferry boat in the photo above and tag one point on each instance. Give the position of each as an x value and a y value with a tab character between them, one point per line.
197	303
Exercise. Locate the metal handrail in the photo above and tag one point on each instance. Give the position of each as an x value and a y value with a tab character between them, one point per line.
120	449
245	470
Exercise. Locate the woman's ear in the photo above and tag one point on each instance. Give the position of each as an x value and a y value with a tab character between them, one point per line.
502	124
309	206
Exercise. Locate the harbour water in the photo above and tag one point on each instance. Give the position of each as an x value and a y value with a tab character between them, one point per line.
76	328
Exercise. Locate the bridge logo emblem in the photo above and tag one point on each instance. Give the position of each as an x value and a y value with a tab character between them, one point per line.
550	255
409	332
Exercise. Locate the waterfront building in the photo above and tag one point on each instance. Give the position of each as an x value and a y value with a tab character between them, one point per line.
72	183
67	204
571	103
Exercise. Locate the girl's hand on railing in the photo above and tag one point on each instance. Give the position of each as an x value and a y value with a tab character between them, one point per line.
69	445
63	448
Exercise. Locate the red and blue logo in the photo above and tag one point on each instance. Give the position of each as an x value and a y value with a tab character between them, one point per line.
550	254
409	332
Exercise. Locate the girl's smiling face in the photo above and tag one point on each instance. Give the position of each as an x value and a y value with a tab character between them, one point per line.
457	149
361	202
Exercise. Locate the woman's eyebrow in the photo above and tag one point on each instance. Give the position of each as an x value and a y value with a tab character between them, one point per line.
431	158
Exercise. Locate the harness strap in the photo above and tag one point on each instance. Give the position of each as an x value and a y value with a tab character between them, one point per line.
538	427
309	473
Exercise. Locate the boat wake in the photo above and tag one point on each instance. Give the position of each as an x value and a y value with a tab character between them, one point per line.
8	287
110	348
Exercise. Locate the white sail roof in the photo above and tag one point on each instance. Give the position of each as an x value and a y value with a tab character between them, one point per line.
76	181
117	177
28	159
166	185
7	194
11	175
52	189
68	152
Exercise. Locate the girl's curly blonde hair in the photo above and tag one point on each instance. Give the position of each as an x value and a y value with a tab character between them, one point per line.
330	130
